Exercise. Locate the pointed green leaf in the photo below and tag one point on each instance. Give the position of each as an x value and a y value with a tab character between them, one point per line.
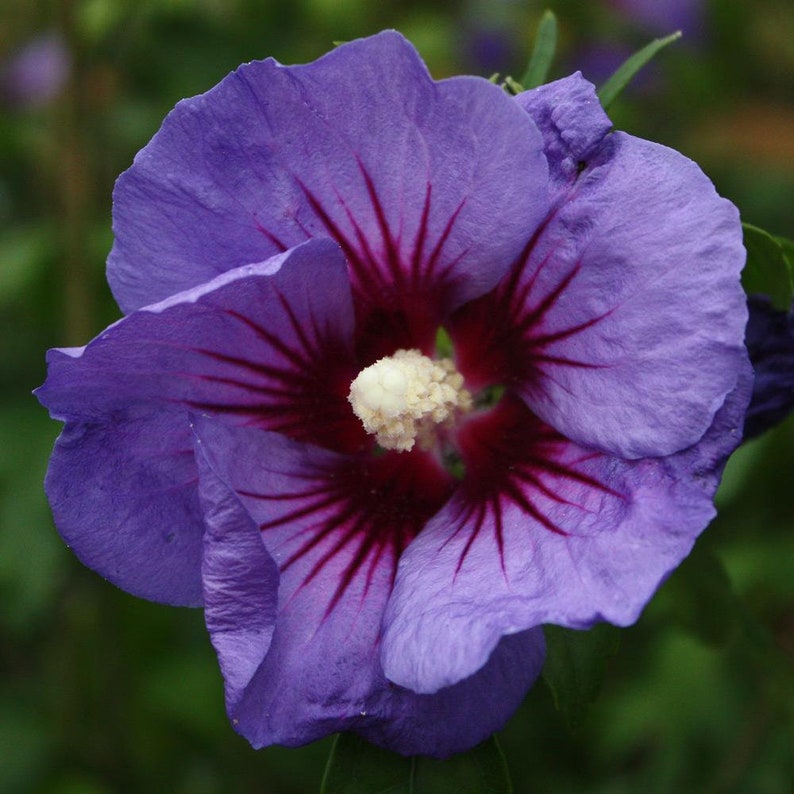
629	68
542	53
575	665
357	767
769	266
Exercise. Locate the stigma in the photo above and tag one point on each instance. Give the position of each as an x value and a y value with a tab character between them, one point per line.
405	398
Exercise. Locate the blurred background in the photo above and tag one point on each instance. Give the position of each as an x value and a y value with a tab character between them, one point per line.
100	692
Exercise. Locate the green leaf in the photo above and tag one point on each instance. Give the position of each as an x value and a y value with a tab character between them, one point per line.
625	73
788	254
769	266
575	665
703	599
24	251
357	767
543	51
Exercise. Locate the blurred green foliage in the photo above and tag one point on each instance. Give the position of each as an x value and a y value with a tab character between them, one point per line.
103	693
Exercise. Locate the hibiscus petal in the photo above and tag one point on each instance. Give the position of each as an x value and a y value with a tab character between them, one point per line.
623	326
416	180
259	345
335	528
458	717
545	531
572	122
123	497
240	582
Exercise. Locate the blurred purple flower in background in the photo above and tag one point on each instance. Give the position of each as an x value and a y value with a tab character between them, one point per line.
37	73
376	528
664	17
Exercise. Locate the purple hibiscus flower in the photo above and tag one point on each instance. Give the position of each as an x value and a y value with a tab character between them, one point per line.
376	530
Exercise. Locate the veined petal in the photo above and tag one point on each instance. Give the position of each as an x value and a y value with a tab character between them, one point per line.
268	345
416	180
335	528
261	345
545	531
623	325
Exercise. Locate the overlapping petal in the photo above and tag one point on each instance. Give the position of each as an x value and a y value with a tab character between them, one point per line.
622	332
335	527
416	180
545	531
573	125
123	495
261	345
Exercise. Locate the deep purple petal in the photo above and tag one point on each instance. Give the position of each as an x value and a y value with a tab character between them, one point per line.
123	497
268	345
545	531
623	326
416	180
459	717
320	670
770	343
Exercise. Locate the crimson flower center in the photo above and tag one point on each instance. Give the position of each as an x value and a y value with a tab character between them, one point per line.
407	398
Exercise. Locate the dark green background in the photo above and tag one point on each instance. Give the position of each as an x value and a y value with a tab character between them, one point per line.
100	692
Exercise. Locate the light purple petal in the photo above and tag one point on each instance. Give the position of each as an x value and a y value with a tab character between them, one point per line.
240	584
416	180
123	497
623	327
572	122
331	525
545	531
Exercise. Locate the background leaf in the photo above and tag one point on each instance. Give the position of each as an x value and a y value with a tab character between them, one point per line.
575	665
612	88
357	767
769	266
543	51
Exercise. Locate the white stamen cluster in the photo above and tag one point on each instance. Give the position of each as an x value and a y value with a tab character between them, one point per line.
405	397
